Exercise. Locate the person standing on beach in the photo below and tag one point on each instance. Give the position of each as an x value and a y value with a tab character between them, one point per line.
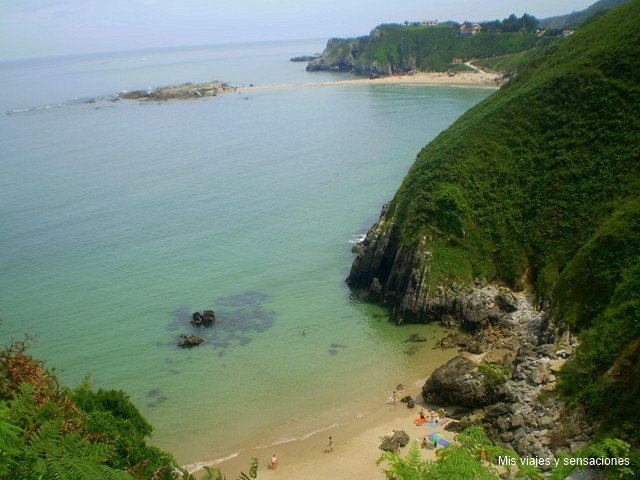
274	462
330	446
394	396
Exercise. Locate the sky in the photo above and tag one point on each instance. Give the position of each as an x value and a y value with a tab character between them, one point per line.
37	28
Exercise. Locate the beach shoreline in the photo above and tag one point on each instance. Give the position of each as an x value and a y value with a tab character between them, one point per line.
476	78
356	444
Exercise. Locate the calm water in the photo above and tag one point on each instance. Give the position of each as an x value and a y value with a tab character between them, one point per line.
118	220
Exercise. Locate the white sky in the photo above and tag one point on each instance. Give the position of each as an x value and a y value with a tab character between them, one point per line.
31	28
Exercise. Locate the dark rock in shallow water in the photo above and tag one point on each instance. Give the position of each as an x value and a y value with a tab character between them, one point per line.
207	317
188	341
389	443
417	338
411	404
406	399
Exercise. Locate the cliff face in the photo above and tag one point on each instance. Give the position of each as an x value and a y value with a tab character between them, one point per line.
398	275
346	55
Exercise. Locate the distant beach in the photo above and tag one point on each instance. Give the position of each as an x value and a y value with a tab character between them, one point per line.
477	78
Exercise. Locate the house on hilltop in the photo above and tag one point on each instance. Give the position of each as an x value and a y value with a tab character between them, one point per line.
429	23
469	29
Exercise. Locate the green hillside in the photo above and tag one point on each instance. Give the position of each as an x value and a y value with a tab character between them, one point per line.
575	19
399	48
540	185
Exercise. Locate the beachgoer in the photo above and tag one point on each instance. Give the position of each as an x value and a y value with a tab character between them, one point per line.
397	447
274	462
394	396
423	444
421	413
435	444
330	444
304	332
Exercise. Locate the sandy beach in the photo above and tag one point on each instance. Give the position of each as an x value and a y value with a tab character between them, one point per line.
477	78
356	445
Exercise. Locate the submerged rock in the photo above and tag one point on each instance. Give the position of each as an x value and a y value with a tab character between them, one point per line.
188	341
416	338
206	318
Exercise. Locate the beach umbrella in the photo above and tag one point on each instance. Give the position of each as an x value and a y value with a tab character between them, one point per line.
435	437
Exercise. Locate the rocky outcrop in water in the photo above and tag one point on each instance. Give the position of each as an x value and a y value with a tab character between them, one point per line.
189	341
179	92
206	318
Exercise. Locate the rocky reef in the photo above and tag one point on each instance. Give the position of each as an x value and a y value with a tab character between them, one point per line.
179	92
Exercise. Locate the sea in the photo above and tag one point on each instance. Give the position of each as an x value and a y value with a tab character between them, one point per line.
118	220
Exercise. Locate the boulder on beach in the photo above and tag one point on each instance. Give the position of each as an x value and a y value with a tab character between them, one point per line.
390	442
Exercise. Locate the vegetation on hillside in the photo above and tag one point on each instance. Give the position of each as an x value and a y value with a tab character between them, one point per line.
575	19
540	184
50	432
398	48
513	63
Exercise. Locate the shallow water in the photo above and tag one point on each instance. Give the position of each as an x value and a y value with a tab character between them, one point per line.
118	220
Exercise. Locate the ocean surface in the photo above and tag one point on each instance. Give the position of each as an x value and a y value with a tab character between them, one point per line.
119	220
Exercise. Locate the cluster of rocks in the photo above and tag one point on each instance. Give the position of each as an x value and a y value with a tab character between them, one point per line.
411	403
390	443
206	318
505	378
179	92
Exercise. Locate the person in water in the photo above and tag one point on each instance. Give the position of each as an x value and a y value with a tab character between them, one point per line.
304	332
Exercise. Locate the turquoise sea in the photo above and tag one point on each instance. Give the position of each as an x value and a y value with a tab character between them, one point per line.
118	220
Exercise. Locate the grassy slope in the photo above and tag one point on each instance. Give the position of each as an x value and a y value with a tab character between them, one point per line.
513	62
431	47
575	19
541	181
